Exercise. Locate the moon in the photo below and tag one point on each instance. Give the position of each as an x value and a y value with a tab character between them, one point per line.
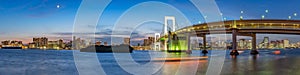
57	6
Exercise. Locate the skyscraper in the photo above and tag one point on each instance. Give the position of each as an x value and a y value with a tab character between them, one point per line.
265	43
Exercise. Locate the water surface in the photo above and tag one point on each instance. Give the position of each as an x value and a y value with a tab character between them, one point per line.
52	62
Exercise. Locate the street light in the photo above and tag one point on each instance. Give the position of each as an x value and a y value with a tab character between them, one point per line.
290	17
241	17
295	14
263	17
267	11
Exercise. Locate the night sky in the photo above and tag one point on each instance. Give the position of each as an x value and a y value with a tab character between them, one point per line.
24	19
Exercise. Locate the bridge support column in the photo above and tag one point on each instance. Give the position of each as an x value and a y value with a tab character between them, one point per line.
204	51
254	41
204	42
254	51
189	41
234	43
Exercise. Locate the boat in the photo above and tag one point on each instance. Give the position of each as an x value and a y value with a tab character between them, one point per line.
11	47
108	49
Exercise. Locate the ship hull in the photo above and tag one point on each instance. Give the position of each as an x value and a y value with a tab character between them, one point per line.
108	49
11	47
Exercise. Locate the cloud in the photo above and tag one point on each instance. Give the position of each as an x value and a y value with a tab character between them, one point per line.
103	34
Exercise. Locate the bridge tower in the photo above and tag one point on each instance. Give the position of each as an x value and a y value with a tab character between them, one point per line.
156	42
166	25
169	18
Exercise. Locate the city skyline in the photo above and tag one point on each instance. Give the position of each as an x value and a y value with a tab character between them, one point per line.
157	37
54	19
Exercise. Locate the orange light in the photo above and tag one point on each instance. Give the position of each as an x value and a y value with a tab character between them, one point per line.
277	52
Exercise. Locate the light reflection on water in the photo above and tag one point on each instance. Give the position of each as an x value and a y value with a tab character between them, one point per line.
172	68
35	62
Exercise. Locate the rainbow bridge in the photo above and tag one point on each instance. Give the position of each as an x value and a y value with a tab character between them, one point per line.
240	28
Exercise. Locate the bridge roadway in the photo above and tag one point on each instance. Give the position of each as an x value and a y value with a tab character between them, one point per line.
242	28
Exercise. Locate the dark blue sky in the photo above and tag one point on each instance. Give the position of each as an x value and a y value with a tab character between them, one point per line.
24	19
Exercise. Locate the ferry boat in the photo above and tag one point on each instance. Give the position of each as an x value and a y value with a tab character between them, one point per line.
108	49
11	47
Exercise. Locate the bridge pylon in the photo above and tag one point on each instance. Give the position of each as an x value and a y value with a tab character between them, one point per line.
167	18
235	33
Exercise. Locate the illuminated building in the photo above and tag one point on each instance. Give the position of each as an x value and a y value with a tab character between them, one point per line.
61	43
272	45
127	41
5	42
245	44
278	44
32	45
105	44
265	43
286	43
249	44
9	43
78	43
53	45
98	43
241	44
146	42
40	42
68	45
149	41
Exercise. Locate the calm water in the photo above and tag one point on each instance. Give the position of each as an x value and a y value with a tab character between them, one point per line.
51	62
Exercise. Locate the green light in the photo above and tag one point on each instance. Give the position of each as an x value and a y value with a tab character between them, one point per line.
162	39
182	45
